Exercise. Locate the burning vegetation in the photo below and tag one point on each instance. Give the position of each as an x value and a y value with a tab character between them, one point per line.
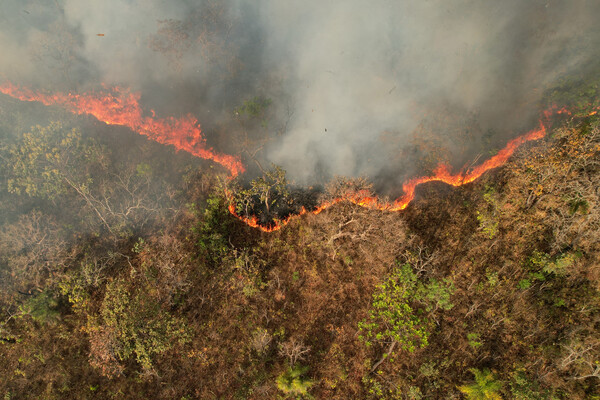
299	201
122	108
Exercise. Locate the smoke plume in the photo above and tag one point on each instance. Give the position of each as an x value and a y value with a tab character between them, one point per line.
356	87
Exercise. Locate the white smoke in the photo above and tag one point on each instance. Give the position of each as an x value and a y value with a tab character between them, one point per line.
353	72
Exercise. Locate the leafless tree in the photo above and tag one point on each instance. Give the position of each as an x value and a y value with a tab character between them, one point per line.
294	350
261	340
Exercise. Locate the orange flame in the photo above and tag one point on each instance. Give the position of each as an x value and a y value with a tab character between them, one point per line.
121	107
440	174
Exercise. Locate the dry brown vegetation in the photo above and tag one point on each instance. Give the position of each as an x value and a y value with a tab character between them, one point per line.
198	305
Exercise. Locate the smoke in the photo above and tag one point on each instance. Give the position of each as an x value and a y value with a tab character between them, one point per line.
358	69
356	84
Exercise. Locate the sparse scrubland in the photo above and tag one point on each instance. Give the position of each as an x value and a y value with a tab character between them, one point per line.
119	281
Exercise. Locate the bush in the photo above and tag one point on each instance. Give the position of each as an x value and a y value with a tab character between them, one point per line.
485	387
293	383
397	312
132	324
214	229
42	308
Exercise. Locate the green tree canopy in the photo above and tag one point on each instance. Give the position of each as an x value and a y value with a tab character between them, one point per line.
485	387
49	159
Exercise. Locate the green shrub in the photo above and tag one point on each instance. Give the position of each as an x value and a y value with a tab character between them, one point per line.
399	307
560	265
485	387
474	341
488	218
293	383
49	156
41	307
488	224
133	325
214	229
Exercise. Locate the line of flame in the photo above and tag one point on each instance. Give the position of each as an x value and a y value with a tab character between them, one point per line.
121	107
440	174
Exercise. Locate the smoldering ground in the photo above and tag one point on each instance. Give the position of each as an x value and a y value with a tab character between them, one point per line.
357	88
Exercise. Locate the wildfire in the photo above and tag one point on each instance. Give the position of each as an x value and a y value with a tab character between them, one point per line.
119	106
122	107
440	174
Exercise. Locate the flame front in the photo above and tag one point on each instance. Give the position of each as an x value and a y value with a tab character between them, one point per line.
440	174
121	107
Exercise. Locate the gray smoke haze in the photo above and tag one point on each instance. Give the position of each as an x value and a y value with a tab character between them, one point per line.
358	79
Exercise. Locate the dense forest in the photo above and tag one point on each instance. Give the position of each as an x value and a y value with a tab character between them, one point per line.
128	276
